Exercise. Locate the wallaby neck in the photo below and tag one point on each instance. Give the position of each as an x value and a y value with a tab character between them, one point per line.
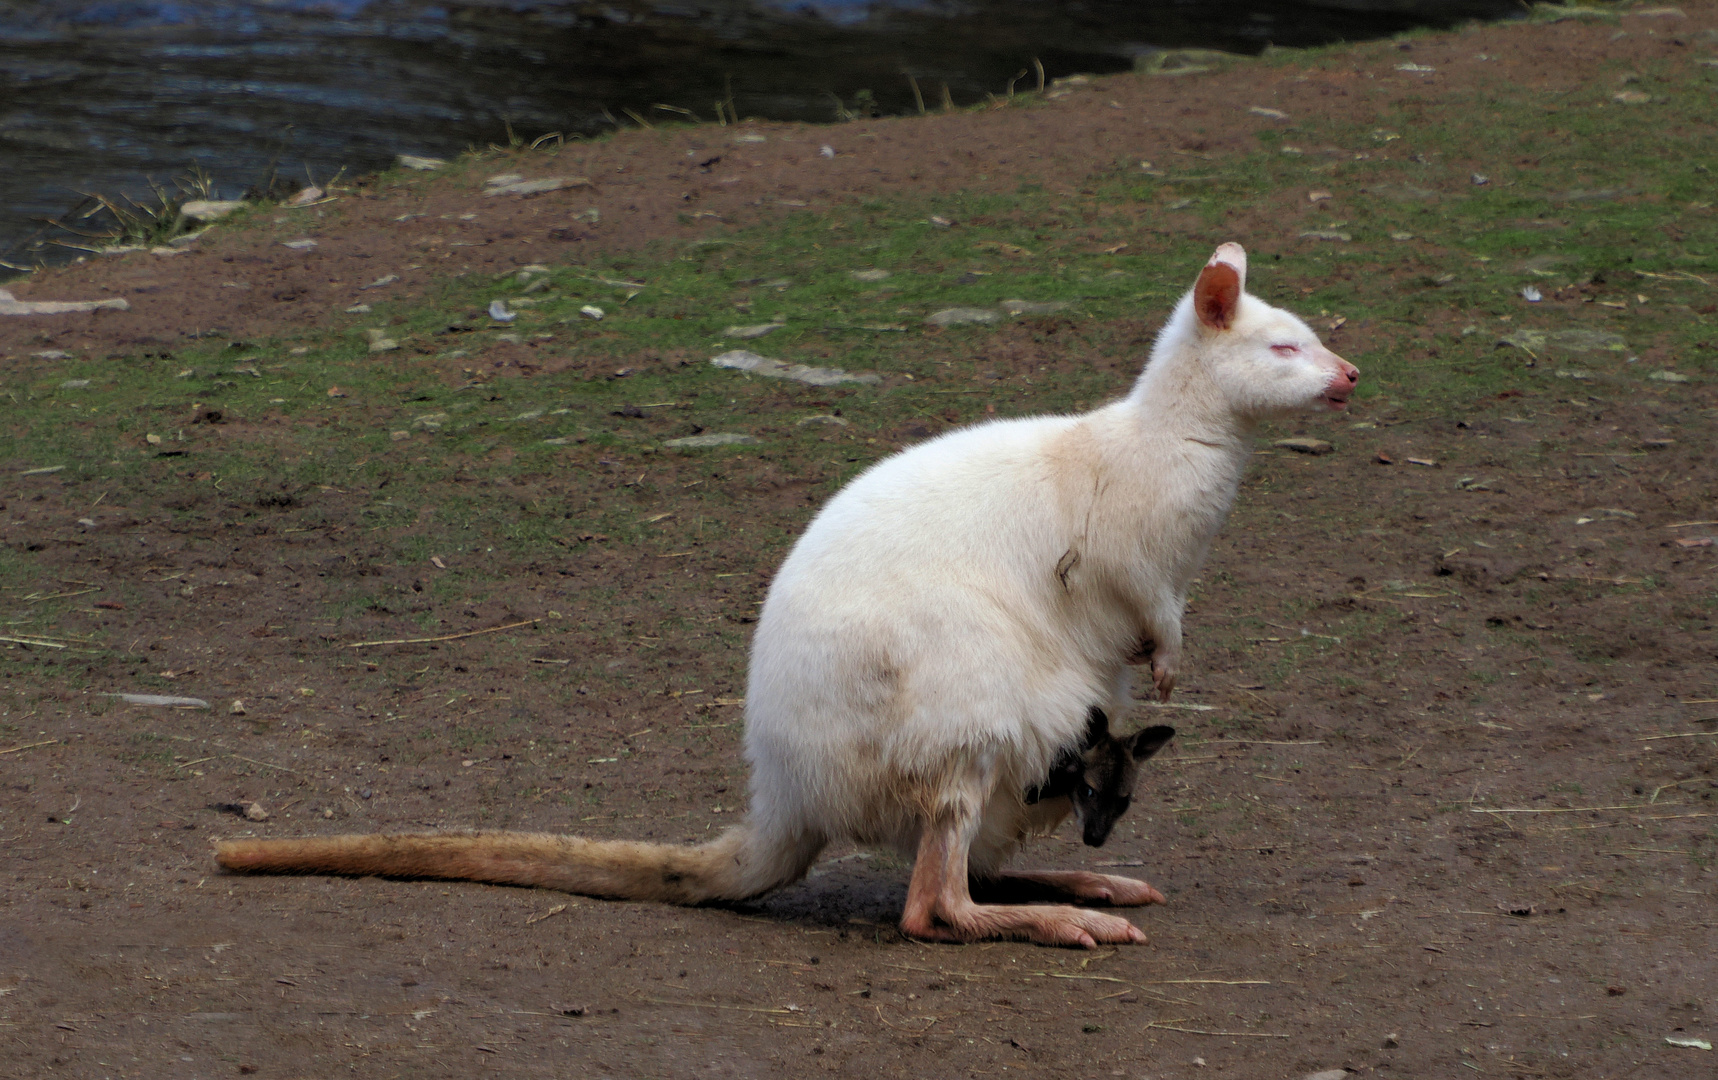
1175	397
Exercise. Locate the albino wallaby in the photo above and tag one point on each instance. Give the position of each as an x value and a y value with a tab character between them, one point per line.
936	637
1097	778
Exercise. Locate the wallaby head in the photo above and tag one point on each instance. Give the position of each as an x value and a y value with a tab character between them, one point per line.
1098	778
1258	361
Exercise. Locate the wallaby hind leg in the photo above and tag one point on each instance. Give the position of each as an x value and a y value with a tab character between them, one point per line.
940	905
1081	885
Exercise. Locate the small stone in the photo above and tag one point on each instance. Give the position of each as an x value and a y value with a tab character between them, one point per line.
237	708
304	198
1631	97
1327	1074
358	309
591	311
399	436
299	245
826	151
517	185
209	209
747	333
336	392
743	360
380	341
870	276
152	439
11	305
1302	445
700	442
823	421
1327	234
1668	376
1479	179
498	311
52	354
1268	114
430	421
1031	307
72	384
255	812
962	316
385	280
419	164
1391	1042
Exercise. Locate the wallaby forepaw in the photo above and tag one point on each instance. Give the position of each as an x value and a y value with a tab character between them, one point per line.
1164	678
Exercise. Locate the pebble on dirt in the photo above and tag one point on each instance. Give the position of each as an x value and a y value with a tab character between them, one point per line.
209	209
419	164
11	305
1304	445
380	341
747	333
1031	307
513	184
751	362
962	316
164	700
700	442
498	311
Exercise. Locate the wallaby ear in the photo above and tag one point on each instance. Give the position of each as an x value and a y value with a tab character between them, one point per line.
1151	740
1097	727
1217	293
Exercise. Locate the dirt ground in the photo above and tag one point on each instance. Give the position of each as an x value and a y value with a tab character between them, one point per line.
1441	802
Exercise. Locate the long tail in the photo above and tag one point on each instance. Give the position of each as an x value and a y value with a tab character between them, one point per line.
736	865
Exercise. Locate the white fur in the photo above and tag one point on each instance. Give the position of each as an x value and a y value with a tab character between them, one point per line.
919	639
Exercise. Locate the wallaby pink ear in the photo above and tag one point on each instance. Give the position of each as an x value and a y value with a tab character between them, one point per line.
1217	294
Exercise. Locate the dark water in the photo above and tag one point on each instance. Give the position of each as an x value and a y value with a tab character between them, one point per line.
105	95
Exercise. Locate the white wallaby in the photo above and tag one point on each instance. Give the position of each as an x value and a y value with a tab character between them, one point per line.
936	640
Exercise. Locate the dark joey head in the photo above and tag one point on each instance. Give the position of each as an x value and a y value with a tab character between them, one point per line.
1108	769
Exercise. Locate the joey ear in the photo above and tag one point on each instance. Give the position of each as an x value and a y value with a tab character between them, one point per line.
1151	740
1097	727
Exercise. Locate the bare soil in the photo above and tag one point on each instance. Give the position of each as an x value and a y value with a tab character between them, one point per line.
1442	801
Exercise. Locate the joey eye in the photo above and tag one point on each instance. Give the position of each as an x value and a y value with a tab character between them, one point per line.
1088	791
1285	350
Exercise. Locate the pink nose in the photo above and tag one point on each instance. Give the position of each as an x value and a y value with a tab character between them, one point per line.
1342	383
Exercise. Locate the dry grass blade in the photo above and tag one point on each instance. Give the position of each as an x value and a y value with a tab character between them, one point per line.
30	746
444	637
1225	1034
